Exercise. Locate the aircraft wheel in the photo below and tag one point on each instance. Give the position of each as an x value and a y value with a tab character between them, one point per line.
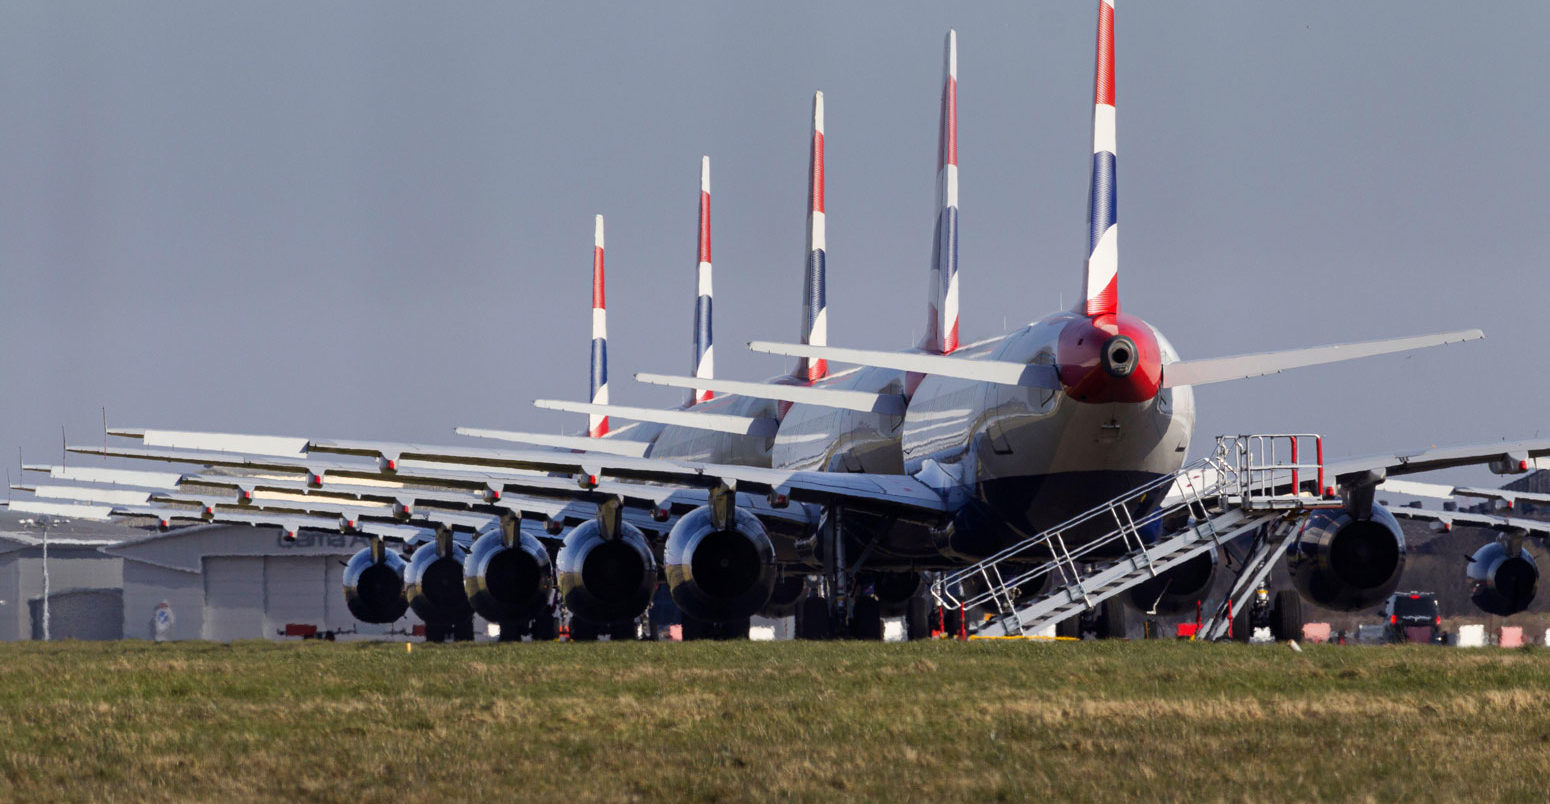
866	619
737	629
952	621
919	618
513	630
813	621
1112	619
1242	629
583	631
1070	627
1286	618
544	628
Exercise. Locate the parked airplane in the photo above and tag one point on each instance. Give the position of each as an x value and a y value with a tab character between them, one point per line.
868	480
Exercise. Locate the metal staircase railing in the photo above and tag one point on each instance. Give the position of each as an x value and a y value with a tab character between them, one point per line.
1244	484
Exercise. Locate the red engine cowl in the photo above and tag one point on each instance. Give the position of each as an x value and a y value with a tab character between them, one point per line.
1109	358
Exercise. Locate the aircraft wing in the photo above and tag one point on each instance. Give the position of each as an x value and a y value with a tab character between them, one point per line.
1447	520
1504	456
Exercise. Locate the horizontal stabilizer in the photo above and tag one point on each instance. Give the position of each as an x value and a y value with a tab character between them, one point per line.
718	422
83	494
886	404
605	445
215	442
1241	367
67	510
964	368
139	478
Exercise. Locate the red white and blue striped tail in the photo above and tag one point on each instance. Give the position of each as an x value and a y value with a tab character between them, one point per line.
597	426
942	300
815	319
704	344
1102	290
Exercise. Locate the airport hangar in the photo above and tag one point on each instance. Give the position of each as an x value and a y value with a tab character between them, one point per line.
222	582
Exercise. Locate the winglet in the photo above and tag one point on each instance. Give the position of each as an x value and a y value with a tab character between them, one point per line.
597	425
1102	285
704	345
942	300
815	322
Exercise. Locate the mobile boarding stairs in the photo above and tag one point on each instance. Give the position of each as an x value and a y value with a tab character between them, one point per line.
1244	487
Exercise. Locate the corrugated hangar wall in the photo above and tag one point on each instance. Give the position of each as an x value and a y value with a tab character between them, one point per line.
225	583
84	593
249	597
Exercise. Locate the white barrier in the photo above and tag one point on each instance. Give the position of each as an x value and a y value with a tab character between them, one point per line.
1547	637
1471	636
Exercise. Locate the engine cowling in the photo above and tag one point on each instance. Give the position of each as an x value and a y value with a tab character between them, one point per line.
434	584
894	590
1343	563
1501	583
788	594
1179	589
507	579
606	580
374	586
719	574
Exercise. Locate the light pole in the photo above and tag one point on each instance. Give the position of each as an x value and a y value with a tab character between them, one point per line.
45	582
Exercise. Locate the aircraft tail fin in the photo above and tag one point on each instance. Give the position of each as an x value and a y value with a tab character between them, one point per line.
704	347
815	324
942	299
597	425
1101	293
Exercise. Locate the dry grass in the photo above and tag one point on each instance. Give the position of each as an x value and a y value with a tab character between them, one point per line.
1091	721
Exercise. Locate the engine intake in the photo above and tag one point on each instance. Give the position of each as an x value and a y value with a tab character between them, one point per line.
1343	563
1179	589
719	574
507	575
1501	583
374	586
434	583
894	590
606	580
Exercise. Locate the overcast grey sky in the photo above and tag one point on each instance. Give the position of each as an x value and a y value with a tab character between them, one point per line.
374	219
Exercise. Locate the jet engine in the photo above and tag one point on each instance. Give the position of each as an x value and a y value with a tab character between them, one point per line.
434	583
374	585
1179	589
1344	563
1502	583
719	574
787	595
894	590
507	575
606	579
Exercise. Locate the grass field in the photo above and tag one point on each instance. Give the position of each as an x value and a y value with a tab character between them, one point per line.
717	721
